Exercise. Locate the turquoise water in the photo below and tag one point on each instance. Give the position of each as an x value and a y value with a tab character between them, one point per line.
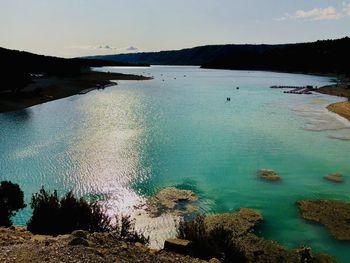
132	139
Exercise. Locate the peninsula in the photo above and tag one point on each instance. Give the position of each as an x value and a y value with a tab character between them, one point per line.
29	79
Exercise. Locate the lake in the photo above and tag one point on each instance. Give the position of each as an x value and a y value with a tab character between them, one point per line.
124	143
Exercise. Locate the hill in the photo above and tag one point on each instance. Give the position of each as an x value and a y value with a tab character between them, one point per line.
324	56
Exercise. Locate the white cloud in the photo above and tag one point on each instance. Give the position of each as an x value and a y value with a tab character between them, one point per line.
328	13
107	48
282	18
346	8
131	48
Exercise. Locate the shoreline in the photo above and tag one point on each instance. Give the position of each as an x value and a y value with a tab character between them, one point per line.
340	90
242	224
49	88
341	108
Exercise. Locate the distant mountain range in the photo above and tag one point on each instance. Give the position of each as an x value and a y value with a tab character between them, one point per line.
324	56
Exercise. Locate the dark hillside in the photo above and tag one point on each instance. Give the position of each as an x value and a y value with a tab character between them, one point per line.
16	67
329	56
326	57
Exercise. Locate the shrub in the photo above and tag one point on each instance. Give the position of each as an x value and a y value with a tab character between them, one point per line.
46	213
11	200
305	255
217	242
79	214
53	216
124	229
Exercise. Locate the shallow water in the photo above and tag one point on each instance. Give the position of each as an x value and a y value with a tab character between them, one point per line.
124	143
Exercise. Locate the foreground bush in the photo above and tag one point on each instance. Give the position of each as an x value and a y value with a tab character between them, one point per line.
54	216
11	200
124	229
206	244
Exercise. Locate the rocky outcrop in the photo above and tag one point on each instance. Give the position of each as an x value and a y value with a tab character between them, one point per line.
256	249
336	178
19	246
242	224
268	175
173	200
334	215
76	241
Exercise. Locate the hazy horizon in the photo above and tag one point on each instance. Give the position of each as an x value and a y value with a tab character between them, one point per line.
82	28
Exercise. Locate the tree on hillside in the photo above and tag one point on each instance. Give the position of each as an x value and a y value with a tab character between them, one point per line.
11	200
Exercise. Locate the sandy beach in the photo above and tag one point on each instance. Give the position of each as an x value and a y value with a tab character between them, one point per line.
341	108
342	90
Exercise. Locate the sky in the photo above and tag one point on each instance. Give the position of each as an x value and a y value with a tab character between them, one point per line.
71	28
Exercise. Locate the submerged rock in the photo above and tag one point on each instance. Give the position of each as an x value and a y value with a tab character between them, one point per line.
268	175
240	223
173	200
337	178
334	215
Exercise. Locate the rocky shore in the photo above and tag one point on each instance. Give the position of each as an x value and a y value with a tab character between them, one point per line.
20	246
